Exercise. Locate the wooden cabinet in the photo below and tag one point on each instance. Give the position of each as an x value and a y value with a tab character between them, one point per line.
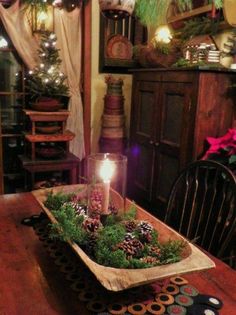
173	111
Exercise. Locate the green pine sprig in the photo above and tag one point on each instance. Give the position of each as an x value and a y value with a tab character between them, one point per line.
54	201
171	251
199	26
69	227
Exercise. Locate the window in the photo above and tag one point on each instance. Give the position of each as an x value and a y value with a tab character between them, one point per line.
12	99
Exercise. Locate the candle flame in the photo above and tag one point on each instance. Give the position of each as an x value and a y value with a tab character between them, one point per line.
107	170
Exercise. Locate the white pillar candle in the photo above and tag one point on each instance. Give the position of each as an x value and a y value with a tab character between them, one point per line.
106	173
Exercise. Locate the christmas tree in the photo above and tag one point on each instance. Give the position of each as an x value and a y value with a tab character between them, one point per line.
46	79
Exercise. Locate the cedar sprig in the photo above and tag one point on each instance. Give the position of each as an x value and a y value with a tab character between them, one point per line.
69	225
55	201
171	251
198	26
131	213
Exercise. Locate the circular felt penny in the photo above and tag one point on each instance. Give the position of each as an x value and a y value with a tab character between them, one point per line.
202	310
87	295
96	306
176	310
155	308
171	289
61	261
117	308
79	286
137	309
210	300
164	298
73	276
178	280
68	268
183	300
188	290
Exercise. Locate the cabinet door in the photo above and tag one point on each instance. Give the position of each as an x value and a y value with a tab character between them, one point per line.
173	138
142	153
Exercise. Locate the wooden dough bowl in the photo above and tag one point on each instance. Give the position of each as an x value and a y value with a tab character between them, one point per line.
114	279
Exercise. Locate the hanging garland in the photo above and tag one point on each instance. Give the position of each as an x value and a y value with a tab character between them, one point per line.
42	4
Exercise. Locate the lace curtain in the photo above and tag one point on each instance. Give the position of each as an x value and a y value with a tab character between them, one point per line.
68	31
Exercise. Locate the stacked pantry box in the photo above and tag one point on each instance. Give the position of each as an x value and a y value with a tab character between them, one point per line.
112	138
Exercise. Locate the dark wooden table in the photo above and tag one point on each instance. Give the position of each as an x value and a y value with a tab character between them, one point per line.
30	283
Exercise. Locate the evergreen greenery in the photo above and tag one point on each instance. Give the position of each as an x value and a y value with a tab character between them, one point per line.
199	26
109	239
69	226
47	79
153	12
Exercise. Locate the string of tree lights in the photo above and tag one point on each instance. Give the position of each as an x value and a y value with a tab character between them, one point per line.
47	79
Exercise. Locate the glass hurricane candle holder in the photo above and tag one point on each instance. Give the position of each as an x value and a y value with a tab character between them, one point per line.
106	173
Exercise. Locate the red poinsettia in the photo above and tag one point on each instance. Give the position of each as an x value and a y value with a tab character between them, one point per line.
223	149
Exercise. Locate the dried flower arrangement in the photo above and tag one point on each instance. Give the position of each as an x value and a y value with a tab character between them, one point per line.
121	241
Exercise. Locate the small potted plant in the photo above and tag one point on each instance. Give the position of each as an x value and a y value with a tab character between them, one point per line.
45	83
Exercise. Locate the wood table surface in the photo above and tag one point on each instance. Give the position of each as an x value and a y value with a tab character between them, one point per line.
31	285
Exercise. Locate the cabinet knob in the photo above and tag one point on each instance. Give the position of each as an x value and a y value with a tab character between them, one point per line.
151	142
157	144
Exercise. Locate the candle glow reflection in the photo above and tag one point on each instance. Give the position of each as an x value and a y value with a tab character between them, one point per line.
106	173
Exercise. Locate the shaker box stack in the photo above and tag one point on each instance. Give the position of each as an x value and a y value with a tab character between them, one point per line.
112	138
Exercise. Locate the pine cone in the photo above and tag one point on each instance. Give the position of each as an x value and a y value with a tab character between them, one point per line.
129	236
95	201
150	260
130	226
79	209
113	209
91	225
154	251
92	242
131	248
145	229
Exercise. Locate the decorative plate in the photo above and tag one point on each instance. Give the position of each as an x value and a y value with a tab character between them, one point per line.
119	47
